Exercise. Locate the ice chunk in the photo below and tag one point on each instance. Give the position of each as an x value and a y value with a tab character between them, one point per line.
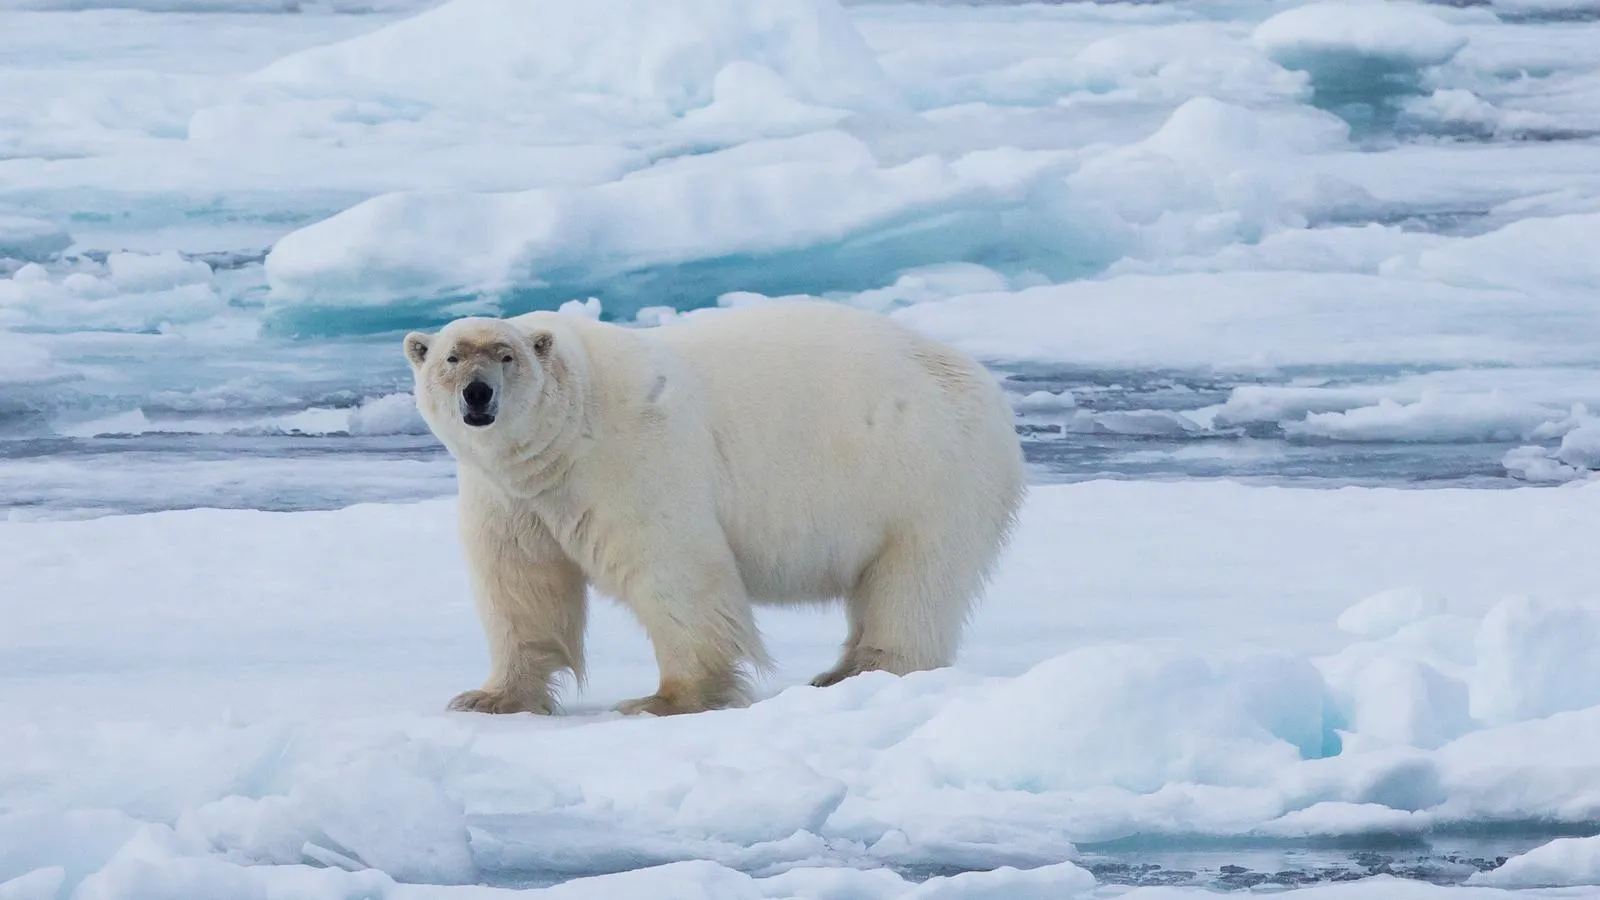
438	244
1563	862
130	292
1388	699
1344	819
389	414
1535	659
1044	402
1048	882
1351	48
588	309
748	806
1458	111
1434	417
1382	614
1224	135
1580	447
145	272
1535	464
1068	723
378	814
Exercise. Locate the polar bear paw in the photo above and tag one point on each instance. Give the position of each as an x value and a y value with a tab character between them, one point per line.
865	659
677	697
498	702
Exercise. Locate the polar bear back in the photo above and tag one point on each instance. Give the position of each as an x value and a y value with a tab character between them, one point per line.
833	432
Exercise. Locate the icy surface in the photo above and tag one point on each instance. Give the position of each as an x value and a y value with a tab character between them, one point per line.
196	739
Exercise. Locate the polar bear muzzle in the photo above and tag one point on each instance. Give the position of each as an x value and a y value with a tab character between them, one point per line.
479	404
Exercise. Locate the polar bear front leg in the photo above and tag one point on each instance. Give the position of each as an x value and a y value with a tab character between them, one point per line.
530	599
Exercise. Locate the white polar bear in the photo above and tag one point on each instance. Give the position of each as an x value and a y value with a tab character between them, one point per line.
789	452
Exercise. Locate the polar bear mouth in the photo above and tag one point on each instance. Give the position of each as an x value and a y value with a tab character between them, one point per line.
478	419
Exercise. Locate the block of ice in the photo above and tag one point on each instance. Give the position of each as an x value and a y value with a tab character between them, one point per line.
1323	36
1563	862
423	245
1534	659
1580	447
1382	614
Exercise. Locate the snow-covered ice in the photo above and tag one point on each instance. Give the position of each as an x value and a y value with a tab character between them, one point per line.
1303	245
1299	664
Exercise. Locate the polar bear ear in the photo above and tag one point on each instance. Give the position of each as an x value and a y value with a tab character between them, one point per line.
541	342
417	347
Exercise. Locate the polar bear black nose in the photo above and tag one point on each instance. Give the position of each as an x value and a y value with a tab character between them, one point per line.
478	394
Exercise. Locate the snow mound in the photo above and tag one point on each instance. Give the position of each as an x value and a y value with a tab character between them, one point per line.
1564	862
1386	612
1547	256
1577	456
1580	447
1194	720
1322	36
1536	465
652	59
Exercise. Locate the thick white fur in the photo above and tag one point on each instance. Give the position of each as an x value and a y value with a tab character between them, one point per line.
789	452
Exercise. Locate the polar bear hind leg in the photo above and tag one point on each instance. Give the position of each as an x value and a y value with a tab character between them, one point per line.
907	611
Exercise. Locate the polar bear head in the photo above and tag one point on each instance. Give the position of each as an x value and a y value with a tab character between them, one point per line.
483	384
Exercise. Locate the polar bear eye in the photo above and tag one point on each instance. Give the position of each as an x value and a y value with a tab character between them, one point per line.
452	359
508	358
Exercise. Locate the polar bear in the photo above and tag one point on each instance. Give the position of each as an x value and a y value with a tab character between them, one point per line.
788	452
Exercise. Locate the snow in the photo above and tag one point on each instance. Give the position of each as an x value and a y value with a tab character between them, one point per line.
1219	693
